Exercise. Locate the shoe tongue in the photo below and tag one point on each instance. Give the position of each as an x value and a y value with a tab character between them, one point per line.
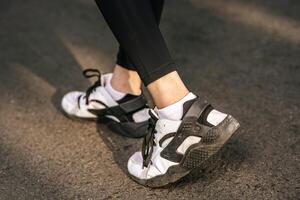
96	93
165	126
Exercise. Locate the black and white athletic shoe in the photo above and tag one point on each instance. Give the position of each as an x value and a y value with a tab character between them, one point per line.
128	116
171	149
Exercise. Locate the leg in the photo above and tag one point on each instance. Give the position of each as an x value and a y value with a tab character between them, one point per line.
125	78
123	59
134	26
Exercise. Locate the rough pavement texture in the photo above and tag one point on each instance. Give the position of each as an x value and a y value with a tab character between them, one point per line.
244	56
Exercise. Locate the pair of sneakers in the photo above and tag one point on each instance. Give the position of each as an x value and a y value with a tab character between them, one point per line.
171	148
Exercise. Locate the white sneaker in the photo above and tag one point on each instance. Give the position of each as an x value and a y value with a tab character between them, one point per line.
172	149
128	116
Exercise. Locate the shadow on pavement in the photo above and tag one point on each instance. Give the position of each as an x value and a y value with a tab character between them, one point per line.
121	147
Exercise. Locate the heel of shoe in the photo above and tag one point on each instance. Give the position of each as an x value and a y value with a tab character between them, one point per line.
197	154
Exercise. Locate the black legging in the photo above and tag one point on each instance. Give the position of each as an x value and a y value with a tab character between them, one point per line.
142	47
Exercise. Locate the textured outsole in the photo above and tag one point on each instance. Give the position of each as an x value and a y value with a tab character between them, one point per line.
200	152
196	155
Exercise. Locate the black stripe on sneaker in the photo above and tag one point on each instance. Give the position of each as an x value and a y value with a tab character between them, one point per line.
78	101
124	110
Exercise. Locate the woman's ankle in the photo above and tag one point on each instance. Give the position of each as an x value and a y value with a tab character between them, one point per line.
167	90
126	81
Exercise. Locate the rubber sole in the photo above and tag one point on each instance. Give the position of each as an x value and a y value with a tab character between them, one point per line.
195	155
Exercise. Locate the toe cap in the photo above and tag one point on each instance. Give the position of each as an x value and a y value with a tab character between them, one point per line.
69	102
135	165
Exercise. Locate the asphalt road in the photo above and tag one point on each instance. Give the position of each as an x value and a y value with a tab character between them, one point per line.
243	56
